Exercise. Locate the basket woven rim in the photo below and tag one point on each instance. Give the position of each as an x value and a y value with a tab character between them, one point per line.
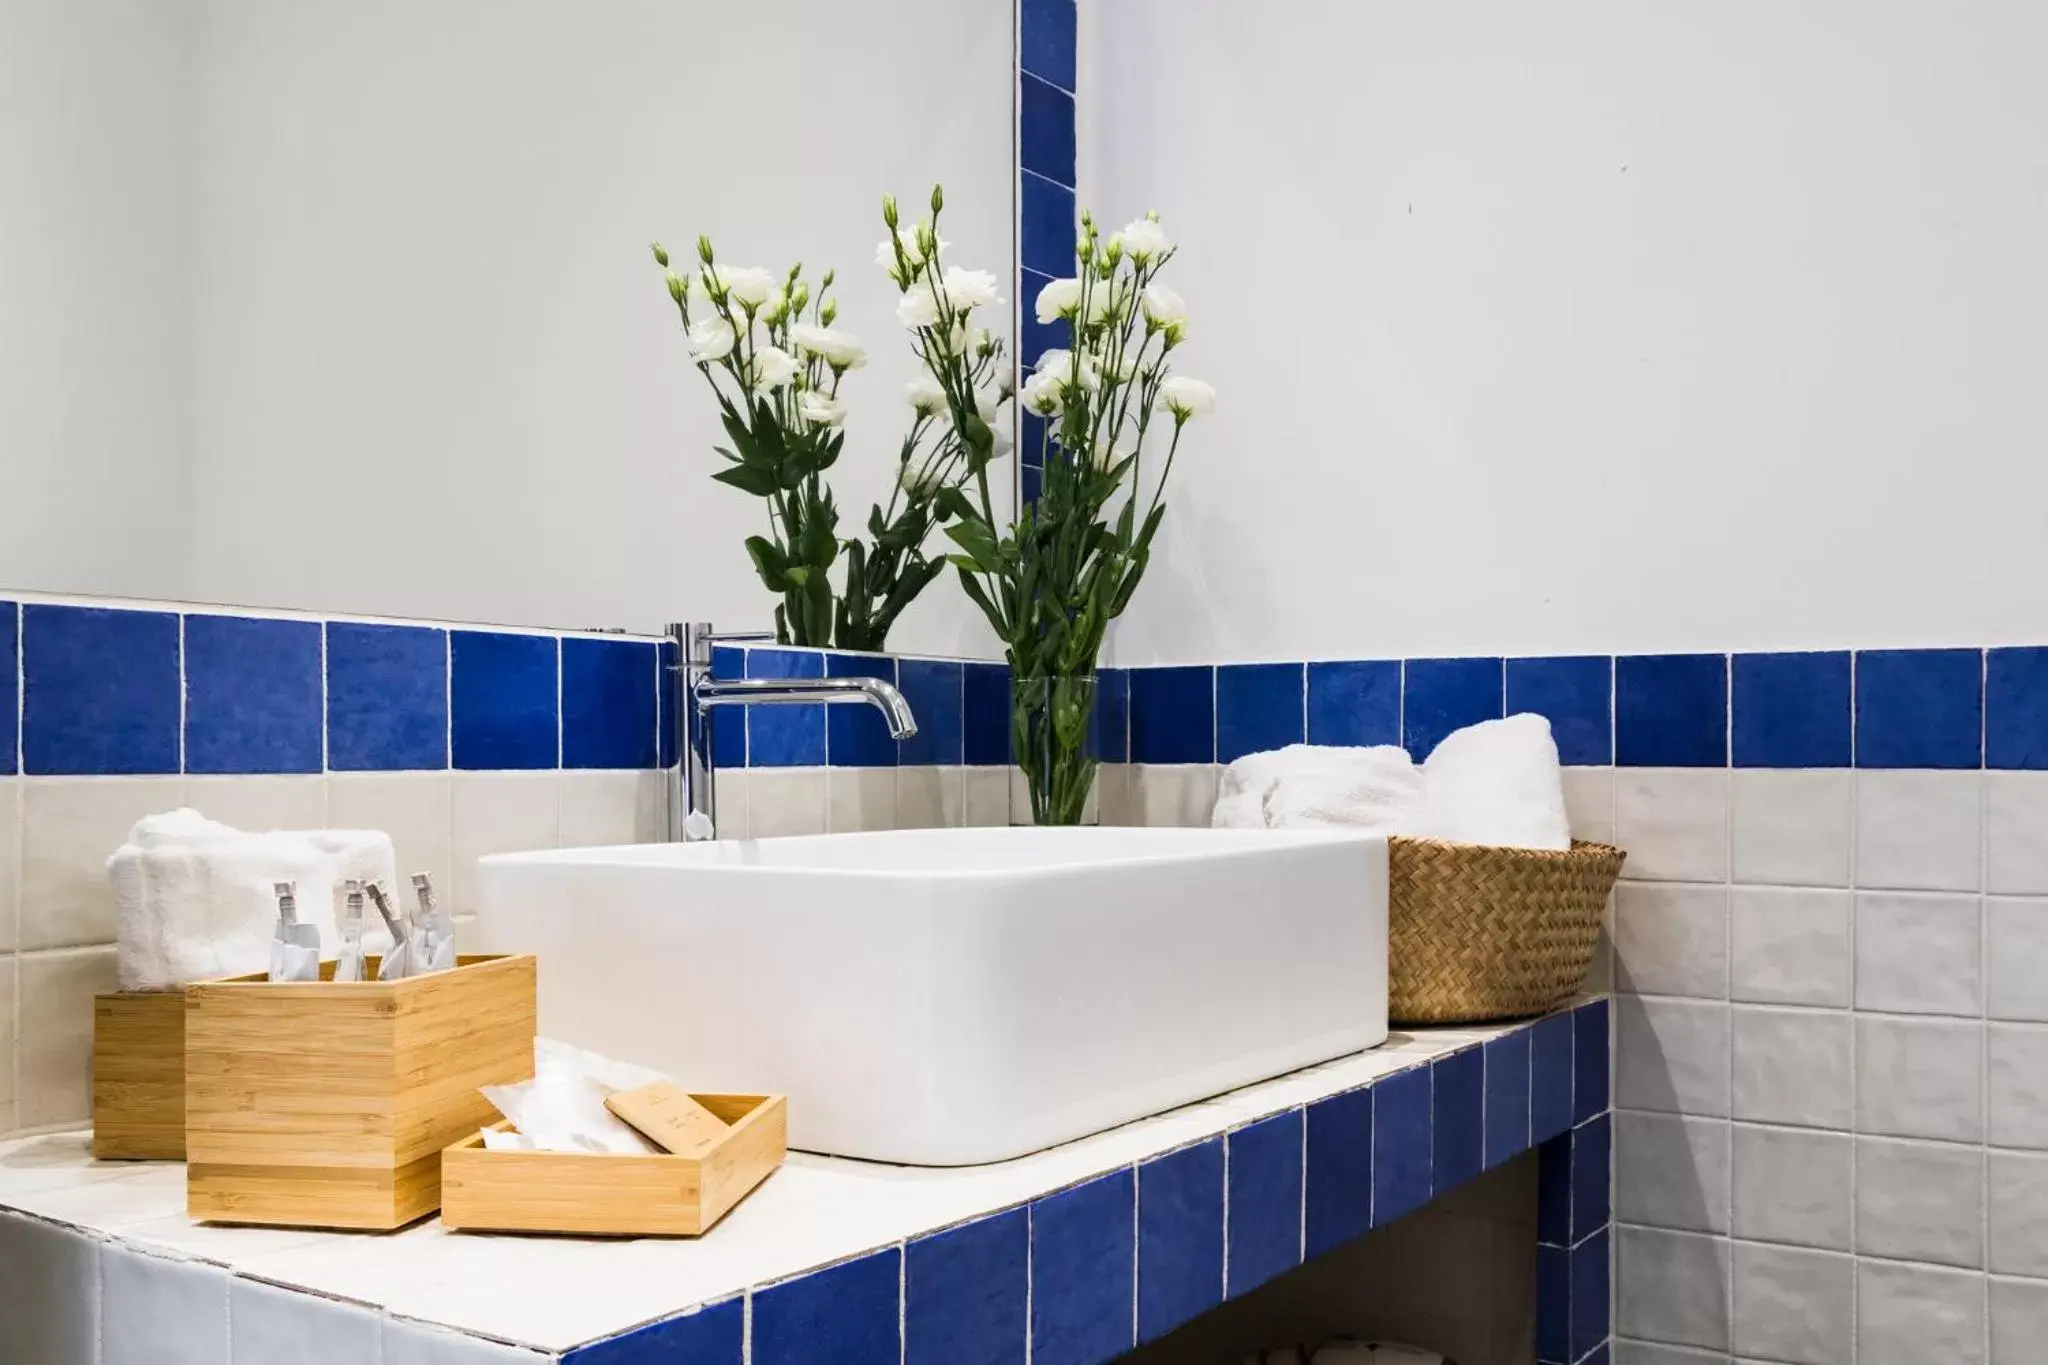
1579	846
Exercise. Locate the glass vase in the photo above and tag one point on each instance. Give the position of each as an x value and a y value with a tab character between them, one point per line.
1052	737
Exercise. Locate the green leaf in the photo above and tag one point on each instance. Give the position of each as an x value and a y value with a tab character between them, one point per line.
727	454
741	437
953	502
820	544
975	537
769	562
748	479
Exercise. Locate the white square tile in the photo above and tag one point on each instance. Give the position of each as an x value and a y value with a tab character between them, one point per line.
54	1050
1672	1287
413	808
50	1284
2017	1077
921	796
1673	822
409	1343
785	801
2016	959
1671	1056
2019	1321
9	992
1589	803
2019	1213
10	864
1794	1304
600	807
988	797
1175	795
499	812
1671	939
274	1324
1671	1172
1920	1078
859	799
1918	831
1918	954
260	803
1789	947
731	801
1919	1201
1794	1186
156	1311
69	827
1918	1315
1113	799
1792	1066
2016	833
1791	827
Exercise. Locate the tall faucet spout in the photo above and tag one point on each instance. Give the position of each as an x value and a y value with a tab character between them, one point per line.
881	695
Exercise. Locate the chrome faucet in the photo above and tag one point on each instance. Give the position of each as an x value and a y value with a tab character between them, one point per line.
693	799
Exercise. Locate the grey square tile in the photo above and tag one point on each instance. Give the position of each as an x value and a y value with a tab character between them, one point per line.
1918	830
2016	959
1671	1056
2019	1213
1789	947
1792	1066
1673	822
2015	818
1792	827
1671	939
1793	1185
2018	1080
1916	1201
2019	1321
1672	1287
1794	1305
1918	1315
1918	954
1671	1172
159	1311
1920	1078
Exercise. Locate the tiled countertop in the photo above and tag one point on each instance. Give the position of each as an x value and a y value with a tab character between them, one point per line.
1310	1159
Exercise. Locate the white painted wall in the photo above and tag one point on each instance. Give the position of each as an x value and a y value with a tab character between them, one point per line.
1592	324
93	296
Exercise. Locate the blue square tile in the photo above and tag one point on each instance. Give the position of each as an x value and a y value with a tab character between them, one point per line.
2016	708
668	702
1591	1297
1597	1356
1790	711
1442	695
101	692
608	703
1258	707
1400	1145
1919	708
387	698
785	736
1554	1191
1507	1096
1338	1206
252	696
1045	129
858	736
1180	1237
1671	710
1354	702
1553	1305
709	1336
1457	1118
1082	1262
1046	40
1045	226
1589	1060
1173	718
1035	338
1592	1169
10	698
933	689
1550	1076
728	723
1576	696
502	693
965	1299
985	695
847	1315
1113	715
1030	483
1265	1201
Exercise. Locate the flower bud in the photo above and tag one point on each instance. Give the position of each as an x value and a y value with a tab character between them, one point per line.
829	312
926	241
826	283
889	209
676	286
801	299
938	198
660	255
1113	253
704	249
1084	249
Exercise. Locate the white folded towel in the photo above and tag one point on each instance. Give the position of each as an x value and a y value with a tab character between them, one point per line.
1309	785
194	898
1497	782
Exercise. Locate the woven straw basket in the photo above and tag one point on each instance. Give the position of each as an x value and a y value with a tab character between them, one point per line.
1482	933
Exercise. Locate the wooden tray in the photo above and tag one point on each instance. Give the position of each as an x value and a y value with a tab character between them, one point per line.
327	1104
597	1194
138	1076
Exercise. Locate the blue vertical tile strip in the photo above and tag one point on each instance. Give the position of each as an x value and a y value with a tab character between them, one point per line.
1553	1304
728	723
1082	1262
785	736
1400	1145
1265	1201
1180	1237
965	1291
1442	695
1113	715
1046	40
1592	1158
1173	716
1554	1191
1046	226
1790	711
1045	128
668	703
2016	708
985	702
1550	1077
387	698
100	691
1258	707
1592	1296
1355	702
1671	711
252	696
1576	696
10	671
502	695
858	736
847	1315
934	689
1589	1060
714	1335
1457	1109
608	704
1338	1202
1507	1097
1030	482
1919	708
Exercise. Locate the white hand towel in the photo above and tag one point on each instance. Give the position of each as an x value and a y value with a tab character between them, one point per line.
1239	810
1320	785
1497	782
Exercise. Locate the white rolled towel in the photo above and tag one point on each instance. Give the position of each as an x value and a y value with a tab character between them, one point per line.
1497	782
1321	786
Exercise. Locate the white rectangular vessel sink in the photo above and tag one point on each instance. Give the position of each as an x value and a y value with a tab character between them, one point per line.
950	997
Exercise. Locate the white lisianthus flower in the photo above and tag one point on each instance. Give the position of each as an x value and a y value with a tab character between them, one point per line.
1044	394
840	350
1143	240
917	308
773	367
988	403
776	307
969	289
700	293
820	410
748	287
1059	299
926	397
920	478
711	338
1124	369
1185	398
1059	365
1003	442
1163	307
